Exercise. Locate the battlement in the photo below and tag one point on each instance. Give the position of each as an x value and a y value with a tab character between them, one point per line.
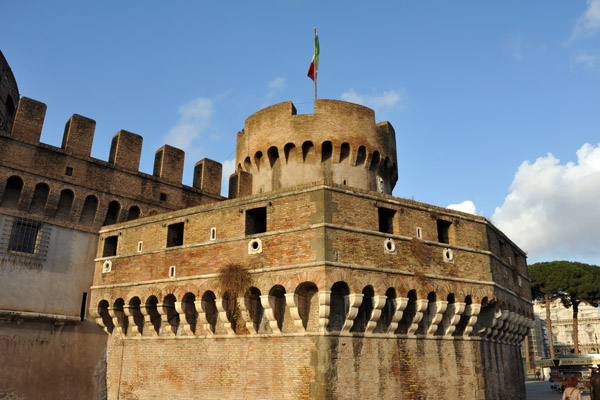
339	143
42	179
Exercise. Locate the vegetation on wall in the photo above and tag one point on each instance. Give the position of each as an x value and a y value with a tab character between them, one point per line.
234	282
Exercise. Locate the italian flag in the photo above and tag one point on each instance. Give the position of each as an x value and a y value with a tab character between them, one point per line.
314	64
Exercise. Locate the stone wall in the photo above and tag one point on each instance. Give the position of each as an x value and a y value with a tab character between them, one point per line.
53	362
313	367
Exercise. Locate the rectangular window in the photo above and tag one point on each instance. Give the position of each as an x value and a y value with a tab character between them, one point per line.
175	235
501	249
443	228
110	246
419	233
256	220
83	306
23	236
386	219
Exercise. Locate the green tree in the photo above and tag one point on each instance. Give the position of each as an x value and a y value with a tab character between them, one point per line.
571	282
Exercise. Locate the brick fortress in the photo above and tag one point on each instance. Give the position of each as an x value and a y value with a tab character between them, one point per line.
53	201
355	294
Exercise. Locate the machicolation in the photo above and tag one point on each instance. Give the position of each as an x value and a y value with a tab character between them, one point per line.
353	293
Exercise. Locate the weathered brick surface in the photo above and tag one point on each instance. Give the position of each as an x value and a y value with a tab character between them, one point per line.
339	143
308	367
46	351
338	307
325	236
71	168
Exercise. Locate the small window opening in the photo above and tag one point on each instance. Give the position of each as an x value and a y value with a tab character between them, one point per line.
443	228
361	156
163	197
23	236
88	213
326	151
83	306
419	233
256	220
386	219
213	233
10	106
175	235
112	214
140	247
344	152
110	246
134	213
172	271
69	171
273	155
12	192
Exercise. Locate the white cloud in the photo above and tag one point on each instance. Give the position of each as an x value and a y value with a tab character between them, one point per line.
387	99
228	169
194	120
517	47
589	23
466	206
586	60
276	86
552	209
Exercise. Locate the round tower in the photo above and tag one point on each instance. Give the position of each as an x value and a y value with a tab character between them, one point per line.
9	95
340	143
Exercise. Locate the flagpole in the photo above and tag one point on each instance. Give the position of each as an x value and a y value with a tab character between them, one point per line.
315	58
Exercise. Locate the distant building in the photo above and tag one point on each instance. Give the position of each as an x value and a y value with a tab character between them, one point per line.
562	327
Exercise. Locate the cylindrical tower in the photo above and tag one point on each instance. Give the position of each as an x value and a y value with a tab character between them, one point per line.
9	95
340	143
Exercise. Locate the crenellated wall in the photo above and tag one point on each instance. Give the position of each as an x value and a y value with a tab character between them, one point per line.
116	183
53	201
340	143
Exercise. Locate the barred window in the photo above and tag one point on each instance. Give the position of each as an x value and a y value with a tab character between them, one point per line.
23	236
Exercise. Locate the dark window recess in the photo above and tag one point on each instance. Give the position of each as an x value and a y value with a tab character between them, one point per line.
386	219
256	220
83	306
69	171
134	213
163	197
110	246
502	248
10	106
23	236
112	214
443	228
175	235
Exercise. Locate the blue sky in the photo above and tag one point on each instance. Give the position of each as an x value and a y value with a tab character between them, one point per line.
496	104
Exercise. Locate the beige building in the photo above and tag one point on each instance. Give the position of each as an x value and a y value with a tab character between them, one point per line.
562	330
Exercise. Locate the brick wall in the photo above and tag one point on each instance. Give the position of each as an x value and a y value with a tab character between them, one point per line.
312	367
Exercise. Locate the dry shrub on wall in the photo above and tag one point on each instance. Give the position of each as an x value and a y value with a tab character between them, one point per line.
234	281
418	250
421	279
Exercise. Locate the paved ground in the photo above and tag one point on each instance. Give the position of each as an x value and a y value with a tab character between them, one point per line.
542	391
